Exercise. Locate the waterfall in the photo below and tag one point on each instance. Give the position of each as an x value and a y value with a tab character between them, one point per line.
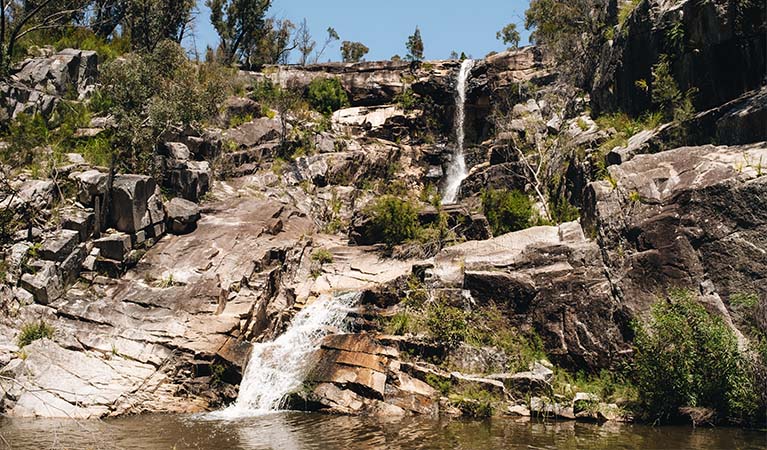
456	171
279	367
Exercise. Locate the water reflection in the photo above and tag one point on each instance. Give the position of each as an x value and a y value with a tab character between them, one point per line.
296	431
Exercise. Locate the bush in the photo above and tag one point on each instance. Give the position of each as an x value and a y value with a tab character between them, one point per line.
85	39
474	403
327	95
150	94
23	135
394	220
407	100
684	356
33	331
447	324
322	256
507	210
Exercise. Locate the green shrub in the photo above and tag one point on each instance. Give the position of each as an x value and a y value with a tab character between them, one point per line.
407	100
153	92
625	10
327	95
400	324
507	210
474	403
322	256
33	331
685	356
24	134
85	39
562	211
439	383
489	327
237	120
97	150
394	220
447	324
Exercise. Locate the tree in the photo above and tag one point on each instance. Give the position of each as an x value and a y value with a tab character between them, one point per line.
150	94
332	36
353	51
19	18
240	25
152	21
305	42
454	55
415	46
275	45
509	35
572	31
107	16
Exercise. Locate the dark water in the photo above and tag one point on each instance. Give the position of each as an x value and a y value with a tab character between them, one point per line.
311	431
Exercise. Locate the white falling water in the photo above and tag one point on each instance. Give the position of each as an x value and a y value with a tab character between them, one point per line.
278	368
456	171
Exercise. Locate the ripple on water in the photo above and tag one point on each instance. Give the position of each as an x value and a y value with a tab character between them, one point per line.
293	431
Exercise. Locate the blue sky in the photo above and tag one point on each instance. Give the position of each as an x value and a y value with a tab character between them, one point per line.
384	25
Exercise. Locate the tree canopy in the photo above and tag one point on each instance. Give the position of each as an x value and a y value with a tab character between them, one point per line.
415	46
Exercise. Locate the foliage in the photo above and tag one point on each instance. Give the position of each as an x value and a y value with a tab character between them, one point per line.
217	374
332	37
507	211
622	128
441	384
407	100
97	150
446	323
322	256
353	51
82	38
240	25
488	327
744	300
326	95
572	32
153	21
151	93
476	404
239	119
666	95
23	135
685	356
562	211
625	9
274	44
414	46
21	18
33	331
393	219
401	323
509	35
305	43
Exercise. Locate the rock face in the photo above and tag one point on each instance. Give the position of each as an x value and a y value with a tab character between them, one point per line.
147	342
37	84
692	217
550	279
724	55
356	375
368	83
182	215
136	203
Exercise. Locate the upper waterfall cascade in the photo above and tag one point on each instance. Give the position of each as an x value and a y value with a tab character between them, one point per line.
279	367
456	171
